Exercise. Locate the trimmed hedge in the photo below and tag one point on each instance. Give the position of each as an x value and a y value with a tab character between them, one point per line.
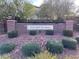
32	32
77	38
76	27
68	33
13	34
59	20
54	47
30	49
6	48
49	32
69	43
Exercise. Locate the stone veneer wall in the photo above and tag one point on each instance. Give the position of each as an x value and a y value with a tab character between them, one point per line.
69	25
22	29
11	24
1	28
58	28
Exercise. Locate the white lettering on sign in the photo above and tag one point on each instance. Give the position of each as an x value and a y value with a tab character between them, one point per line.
39	27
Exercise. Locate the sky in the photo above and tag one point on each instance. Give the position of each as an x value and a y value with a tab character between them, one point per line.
77	2
39	2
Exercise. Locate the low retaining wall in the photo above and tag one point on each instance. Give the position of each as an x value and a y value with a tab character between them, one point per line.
58	28
22	27
1	28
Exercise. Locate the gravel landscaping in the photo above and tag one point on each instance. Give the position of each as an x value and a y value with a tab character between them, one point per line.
24	39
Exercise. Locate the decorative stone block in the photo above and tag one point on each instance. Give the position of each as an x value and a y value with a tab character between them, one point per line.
69	25
11	25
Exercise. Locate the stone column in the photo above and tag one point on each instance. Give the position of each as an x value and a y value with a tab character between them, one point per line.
69	25
11	24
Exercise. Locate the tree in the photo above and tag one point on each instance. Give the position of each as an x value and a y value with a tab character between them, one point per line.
18	4
28	10
56	8
6	9
24	9
43	11
20	8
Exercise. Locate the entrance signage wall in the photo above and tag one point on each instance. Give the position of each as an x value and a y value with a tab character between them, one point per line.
39	27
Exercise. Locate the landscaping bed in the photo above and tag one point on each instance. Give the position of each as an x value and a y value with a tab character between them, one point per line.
23	40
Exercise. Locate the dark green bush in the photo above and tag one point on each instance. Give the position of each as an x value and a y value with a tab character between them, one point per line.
31	49
49	32
54	47
69	43
77	38
13	34
6	48
68	33
32	32
59	20
76	27
20	20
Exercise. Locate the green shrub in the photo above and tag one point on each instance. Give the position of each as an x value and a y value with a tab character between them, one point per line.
59	20
68	33
69	43
76	27
30	49
49	32
13	34
77	38
54	47
6	48
32	32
